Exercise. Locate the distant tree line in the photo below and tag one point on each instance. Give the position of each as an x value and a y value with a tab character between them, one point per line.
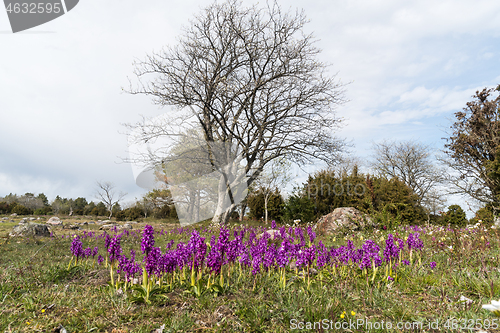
406	187
156	203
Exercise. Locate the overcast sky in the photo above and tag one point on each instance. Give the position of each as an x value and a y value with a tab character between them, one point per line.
408	65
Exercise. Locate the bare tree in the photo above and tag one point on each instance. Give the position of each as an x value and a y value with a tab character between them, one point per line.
433	202
276	175
254	86
29	200
106	193
348	164
411	162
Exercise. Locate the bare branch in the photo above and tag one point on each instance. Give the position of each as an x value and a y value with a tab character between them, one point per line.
108	196
253	84
411	162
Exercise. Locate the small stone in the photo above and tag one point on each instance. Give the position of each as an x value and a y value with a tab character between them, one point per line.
107	226
466	300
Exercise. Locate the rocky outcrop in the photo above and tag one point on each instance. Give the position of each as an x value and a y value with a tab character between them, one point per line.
30	229
344	218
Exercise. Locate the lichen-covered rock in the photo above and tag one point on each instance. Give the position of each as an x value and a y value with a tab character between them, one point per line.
54	220
344	218
71	227
30	229
115	226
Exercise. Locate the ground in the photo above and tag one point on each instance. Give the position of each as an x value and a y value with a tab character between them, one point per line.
41	288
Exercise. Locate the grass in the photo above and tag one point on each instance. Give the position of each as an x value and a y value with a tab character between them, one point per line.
38	292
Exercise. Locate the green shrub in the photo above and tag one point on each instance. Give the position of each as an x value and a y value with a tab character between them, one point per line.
485	215
4	208
43	211
89	208
173	213
129	214
99	210
383	198
235	215
21	210
275	205
163	212
455	216
329	191
299	208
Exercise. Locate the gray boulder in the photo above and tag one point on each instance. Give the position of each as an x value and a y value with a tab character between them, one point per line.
71	227
115	225
54	220
343	218
30	229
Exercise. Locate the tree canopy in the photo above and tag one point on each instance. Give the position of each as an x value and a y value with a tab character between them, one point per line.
251	81
473	148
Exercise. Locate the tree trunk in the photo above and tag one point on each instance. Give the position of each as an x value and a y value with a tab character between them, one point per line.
191	205
266	199
224	217
229	190
243	208
197	207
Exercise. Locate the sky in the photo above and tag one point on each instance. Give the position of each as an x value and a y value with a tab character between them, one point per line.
407	67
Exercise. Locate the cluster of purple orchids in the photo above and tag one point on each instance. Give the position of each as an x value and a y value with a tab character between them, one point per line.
79	252
273	249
